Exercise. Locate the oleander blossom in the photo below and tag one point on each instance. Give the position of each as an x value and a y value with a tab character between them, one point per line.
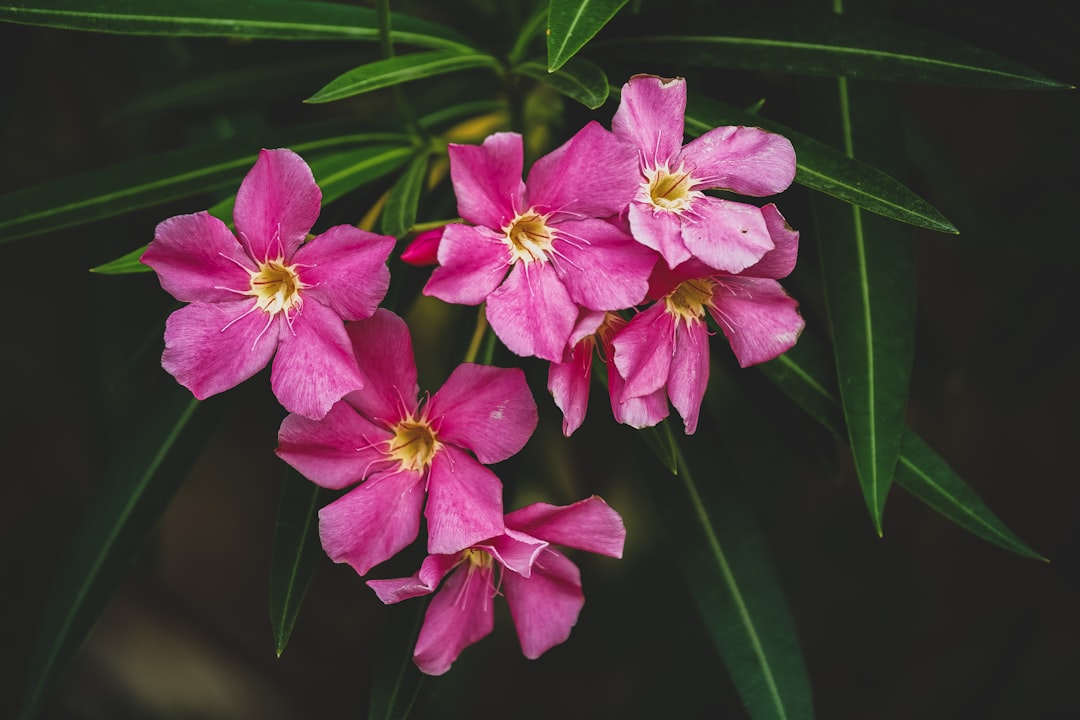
542	587
669	212
405	450
538	250
268	293
665	348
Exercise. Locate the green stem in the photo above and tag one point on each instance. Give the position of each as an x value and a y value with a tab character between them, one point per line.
386	46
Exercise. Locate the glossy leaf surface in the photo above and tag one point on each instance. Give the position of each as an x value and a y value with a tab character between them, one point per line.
578	80
572	23
397	70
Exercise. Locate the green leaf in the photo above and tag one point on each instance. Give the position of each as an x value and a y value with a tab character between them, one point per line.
400	212
295	554
727	566
822	168
399	69
124	265
139	484
578	80
572	23
268	19
805	375
396	680
831	45
155	179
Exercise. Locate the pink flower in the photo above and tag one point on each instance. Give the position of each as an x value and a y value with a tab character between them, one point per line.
404	450
670	213
538	250
424	249
542	587
268	294
667	345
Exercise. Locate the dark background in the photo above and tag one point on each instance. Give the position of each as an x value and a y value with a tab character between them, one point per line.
929	622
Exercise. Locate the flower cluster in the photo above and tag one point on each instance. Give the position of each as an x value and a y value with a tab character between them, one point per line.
611	244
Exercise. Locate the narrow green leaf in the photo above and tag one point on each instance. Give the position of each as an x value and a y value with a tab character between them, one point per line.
844	45
124	265
805	375
295	554
138	487
578	80
400	69
572	23
822	168
151	180
396	681
269	19
400	212
727	566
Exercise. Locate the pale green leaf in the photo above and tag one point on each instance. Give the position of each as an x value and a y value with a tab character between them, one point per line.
572	23
400	69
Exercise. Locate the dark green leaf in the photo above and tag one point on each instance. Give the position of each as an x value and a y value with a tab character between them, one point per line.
138	486
396	681
578	79
805	375
295	554
830	44
572	23
274	19
400	212
727	566
822	168
399	69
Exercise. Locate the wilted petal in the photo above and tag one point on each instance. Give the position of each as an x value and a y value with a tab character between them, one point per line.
590	524
277	204
335	452
532	312
760	320
485	409
689	373
423	582
745	160
373	522
568	383
660	230
464	502
650	116
345	268
384	353
472	263
602	267
211	347
643	351
725	235
315	366
461	613
197	258
487	179
515	551
545	606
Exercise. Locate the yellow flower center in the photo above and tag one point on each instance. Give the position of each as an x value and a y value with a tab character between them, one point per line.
668	190
529	237
477	559
276	287
688	301
414	444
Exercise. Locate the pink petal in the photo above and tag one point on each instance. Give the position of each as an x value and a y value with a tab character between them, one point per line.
650	116
472	263
689	373
546	605
424	249
335	452
515	551
593	174
211	347
461	613
345	268
423	582
660	230
384	353
568	383
276	206
373	522
590	524
643	351
760	320
602	267
745	160
487	179
315	366
196	257
639	412
725	235
485	409
779	262
464	502
532	312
